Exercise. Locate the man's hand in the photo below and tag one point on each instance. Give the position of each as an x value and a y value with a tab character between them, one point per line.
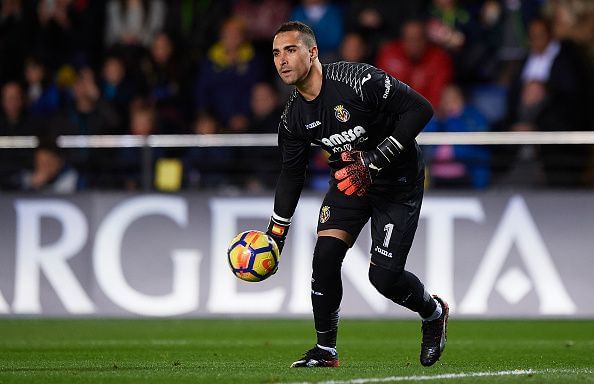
362	166
278	229
355	177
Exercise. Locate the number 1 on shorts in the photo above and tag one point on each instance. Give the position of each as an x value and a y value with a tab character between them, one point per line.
388	229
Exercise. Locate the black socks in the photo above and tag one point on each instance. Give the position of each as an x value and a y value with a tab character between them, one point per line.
326	287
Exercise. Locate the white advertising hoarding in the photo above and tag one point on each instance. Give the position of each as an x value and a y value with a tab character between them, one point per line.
527	254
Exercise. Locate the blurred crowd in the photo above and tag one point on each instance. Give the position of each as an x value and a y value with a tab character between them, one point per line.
142	67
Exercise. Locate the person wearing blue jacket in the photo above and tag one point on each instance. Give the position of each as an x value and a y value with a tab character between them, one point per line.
458	165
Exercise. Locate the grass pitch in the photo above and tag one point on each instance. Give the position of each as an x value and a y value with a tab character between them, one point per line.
260	351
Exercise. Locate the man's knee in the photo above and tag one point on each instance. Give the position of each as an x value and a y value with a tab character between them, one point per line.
338	234
386	282
328	255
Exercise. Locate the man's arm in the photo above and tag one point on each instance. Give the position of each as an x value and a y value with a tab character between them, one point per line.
294	152
384	93
387	94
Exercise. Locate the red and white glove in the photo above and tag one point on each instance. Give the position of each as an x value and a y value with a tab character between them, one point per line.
361	166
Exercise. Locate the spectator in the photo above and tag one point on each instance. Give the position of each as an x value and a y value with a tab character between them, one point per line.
143	119
43	96
206	124
208	167
573	20
262	18
457	165
417	62
266	112
558	65
326	20
551	92
87	114
379	21
522	164
115	86
130	29
226	77
51	172
193	25
448	24
14	121
511	24
455	29
136	165
162	73
482	46
134	22
265	109
354	48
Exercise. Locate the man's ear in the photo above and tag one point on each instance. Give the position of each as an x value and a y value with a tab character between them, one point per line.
313	53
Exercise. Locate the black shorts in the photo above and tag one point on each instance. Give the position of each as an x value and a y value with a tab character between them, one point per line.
394	220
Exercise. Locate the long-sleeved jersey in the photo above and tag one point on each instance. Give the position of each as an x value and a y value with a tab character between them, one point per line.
358	107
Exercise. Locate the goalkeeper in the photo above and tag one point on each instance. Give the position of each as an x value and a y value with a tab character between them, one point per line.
368	121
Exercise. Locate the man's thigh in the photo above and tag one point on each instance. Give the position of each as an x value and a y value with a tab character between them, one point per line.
394	221
347	213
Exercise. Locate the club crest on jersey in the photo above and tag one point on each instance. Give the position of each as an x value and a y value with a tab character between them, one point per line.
341	113
324	214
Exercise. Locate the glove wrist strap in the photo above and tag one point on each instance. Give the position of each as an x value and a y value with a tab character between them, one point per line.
386	152
278	226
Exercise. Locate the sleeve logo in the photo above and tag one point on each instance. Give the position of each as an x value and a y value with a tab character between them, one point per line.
387	86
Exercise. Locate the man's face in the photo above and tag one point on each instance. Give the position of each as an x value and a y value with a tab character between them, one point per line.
538	36
292	58
12	99
413	39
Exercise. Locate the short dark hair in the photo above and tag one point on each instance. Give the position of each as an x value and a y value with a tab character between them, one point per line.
307	34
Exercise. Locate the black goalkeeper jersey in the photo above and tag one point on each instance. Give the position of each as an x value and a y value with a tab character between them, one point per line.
358	107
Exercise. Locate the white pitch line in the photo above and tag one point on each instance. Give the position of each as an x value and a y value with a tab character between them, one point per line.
446	376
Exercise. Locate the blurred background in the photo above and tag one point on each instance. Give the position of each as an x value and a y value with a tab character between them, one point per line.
156	123
195	67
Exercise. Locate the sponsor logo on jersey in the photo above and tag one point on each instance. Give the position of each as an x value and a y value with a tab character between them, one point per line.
313	125
387	87
382	251
341	113
324	214
348	136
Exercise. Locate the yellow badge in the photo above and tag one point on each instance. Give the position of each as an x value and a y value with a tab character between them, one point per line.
324	214
341	113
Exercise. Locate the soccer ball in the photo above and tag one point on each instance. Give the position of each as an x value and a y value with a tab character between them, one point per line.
253	256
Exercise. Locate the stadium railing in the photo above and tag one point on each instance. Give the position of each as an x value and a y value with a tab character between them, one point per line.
270	140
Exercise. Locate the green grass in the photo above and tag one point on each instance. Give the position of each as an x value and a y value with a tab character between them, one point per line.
260	351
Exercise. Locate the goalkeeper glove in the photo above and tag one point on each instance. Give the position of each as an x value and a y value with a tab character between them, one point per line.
278	229
357	176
